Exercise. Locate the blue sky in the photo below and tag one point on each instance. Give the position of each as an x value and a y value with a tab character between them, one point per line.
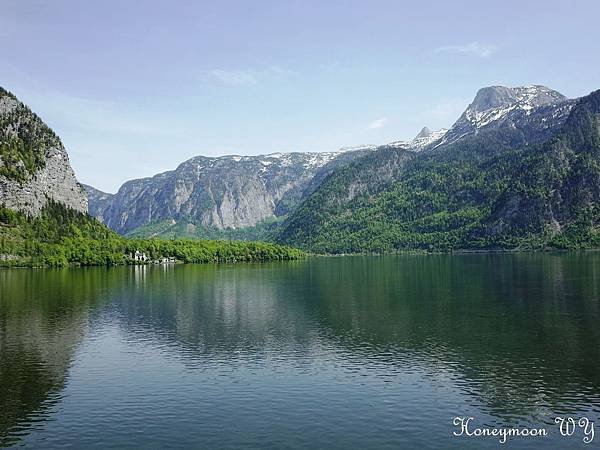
136	87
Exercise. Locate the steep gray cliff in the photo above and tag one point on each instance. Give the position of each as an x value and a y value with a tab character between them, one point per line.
218	192
34	165
98	201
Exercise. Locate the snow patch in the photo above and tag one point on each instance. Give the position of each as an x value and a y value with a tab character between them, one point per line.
421	141
357	147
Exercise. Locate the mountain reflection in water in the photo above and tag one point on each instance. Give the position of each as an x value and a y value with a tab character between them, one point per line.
349	352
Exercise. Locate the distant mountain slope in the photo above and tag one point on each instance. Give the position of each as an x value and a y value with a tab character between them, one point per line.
98	201
311	225
500	182
205	196
34	166
556	190
219	193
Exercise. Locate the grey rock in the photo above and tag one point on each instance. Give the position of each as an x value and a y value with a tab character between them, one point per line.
221	192
98	201
52	179
530	113
424	133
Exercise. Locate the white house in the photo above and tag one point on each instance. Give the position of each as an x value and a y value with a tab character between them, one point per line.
140	256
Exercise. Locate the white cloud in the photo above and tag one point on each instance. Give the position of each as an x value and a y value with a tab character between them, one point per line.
378	123
473	48
244	77
231	77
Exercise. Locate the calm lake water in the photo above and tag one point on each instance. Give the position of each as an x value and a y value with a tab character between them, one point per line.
349	352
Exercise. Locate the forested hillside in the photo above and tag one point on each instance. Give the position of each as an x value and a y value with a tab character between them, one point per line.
478	193
61	236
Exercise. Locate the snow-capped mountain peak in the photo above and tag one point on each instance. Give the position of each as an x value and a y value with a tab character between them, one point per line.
357	147
425	138
494	102
495	105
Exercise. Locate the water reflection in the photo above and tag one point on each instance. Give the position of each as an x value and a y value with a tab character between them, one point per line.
42	321
365	341
520	329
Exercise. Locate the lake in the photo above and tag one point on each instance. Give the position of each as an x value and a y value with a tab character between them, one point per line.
341	352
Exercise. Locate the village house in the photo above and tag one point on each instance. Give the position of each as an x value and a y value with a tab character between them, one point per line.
165	260
139	256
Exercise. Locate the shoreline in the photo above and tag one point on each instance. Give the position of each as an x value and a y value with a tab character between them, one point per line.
462	252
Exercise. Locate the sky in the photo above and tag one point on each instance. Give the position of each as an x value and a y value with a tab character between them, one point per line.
134	88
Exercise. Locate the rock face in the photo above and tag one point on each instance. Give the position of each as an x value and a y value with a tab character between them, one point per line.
98	201
222	192
534	113
34	165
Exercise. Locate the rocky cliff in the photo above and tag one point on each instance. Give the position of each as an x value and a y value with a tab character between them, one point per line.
218	192
34	165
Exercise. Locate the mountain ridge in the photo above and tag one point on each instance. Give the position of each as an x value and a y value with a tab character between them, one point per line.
113	209
230	191
440	196
317	201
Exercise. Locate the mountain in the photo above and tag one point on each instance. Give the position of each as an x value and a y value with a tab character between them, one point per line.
421	141
205	196
519	169
98	201
34	165
556	193
503	176
43	210
227	192
525	114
